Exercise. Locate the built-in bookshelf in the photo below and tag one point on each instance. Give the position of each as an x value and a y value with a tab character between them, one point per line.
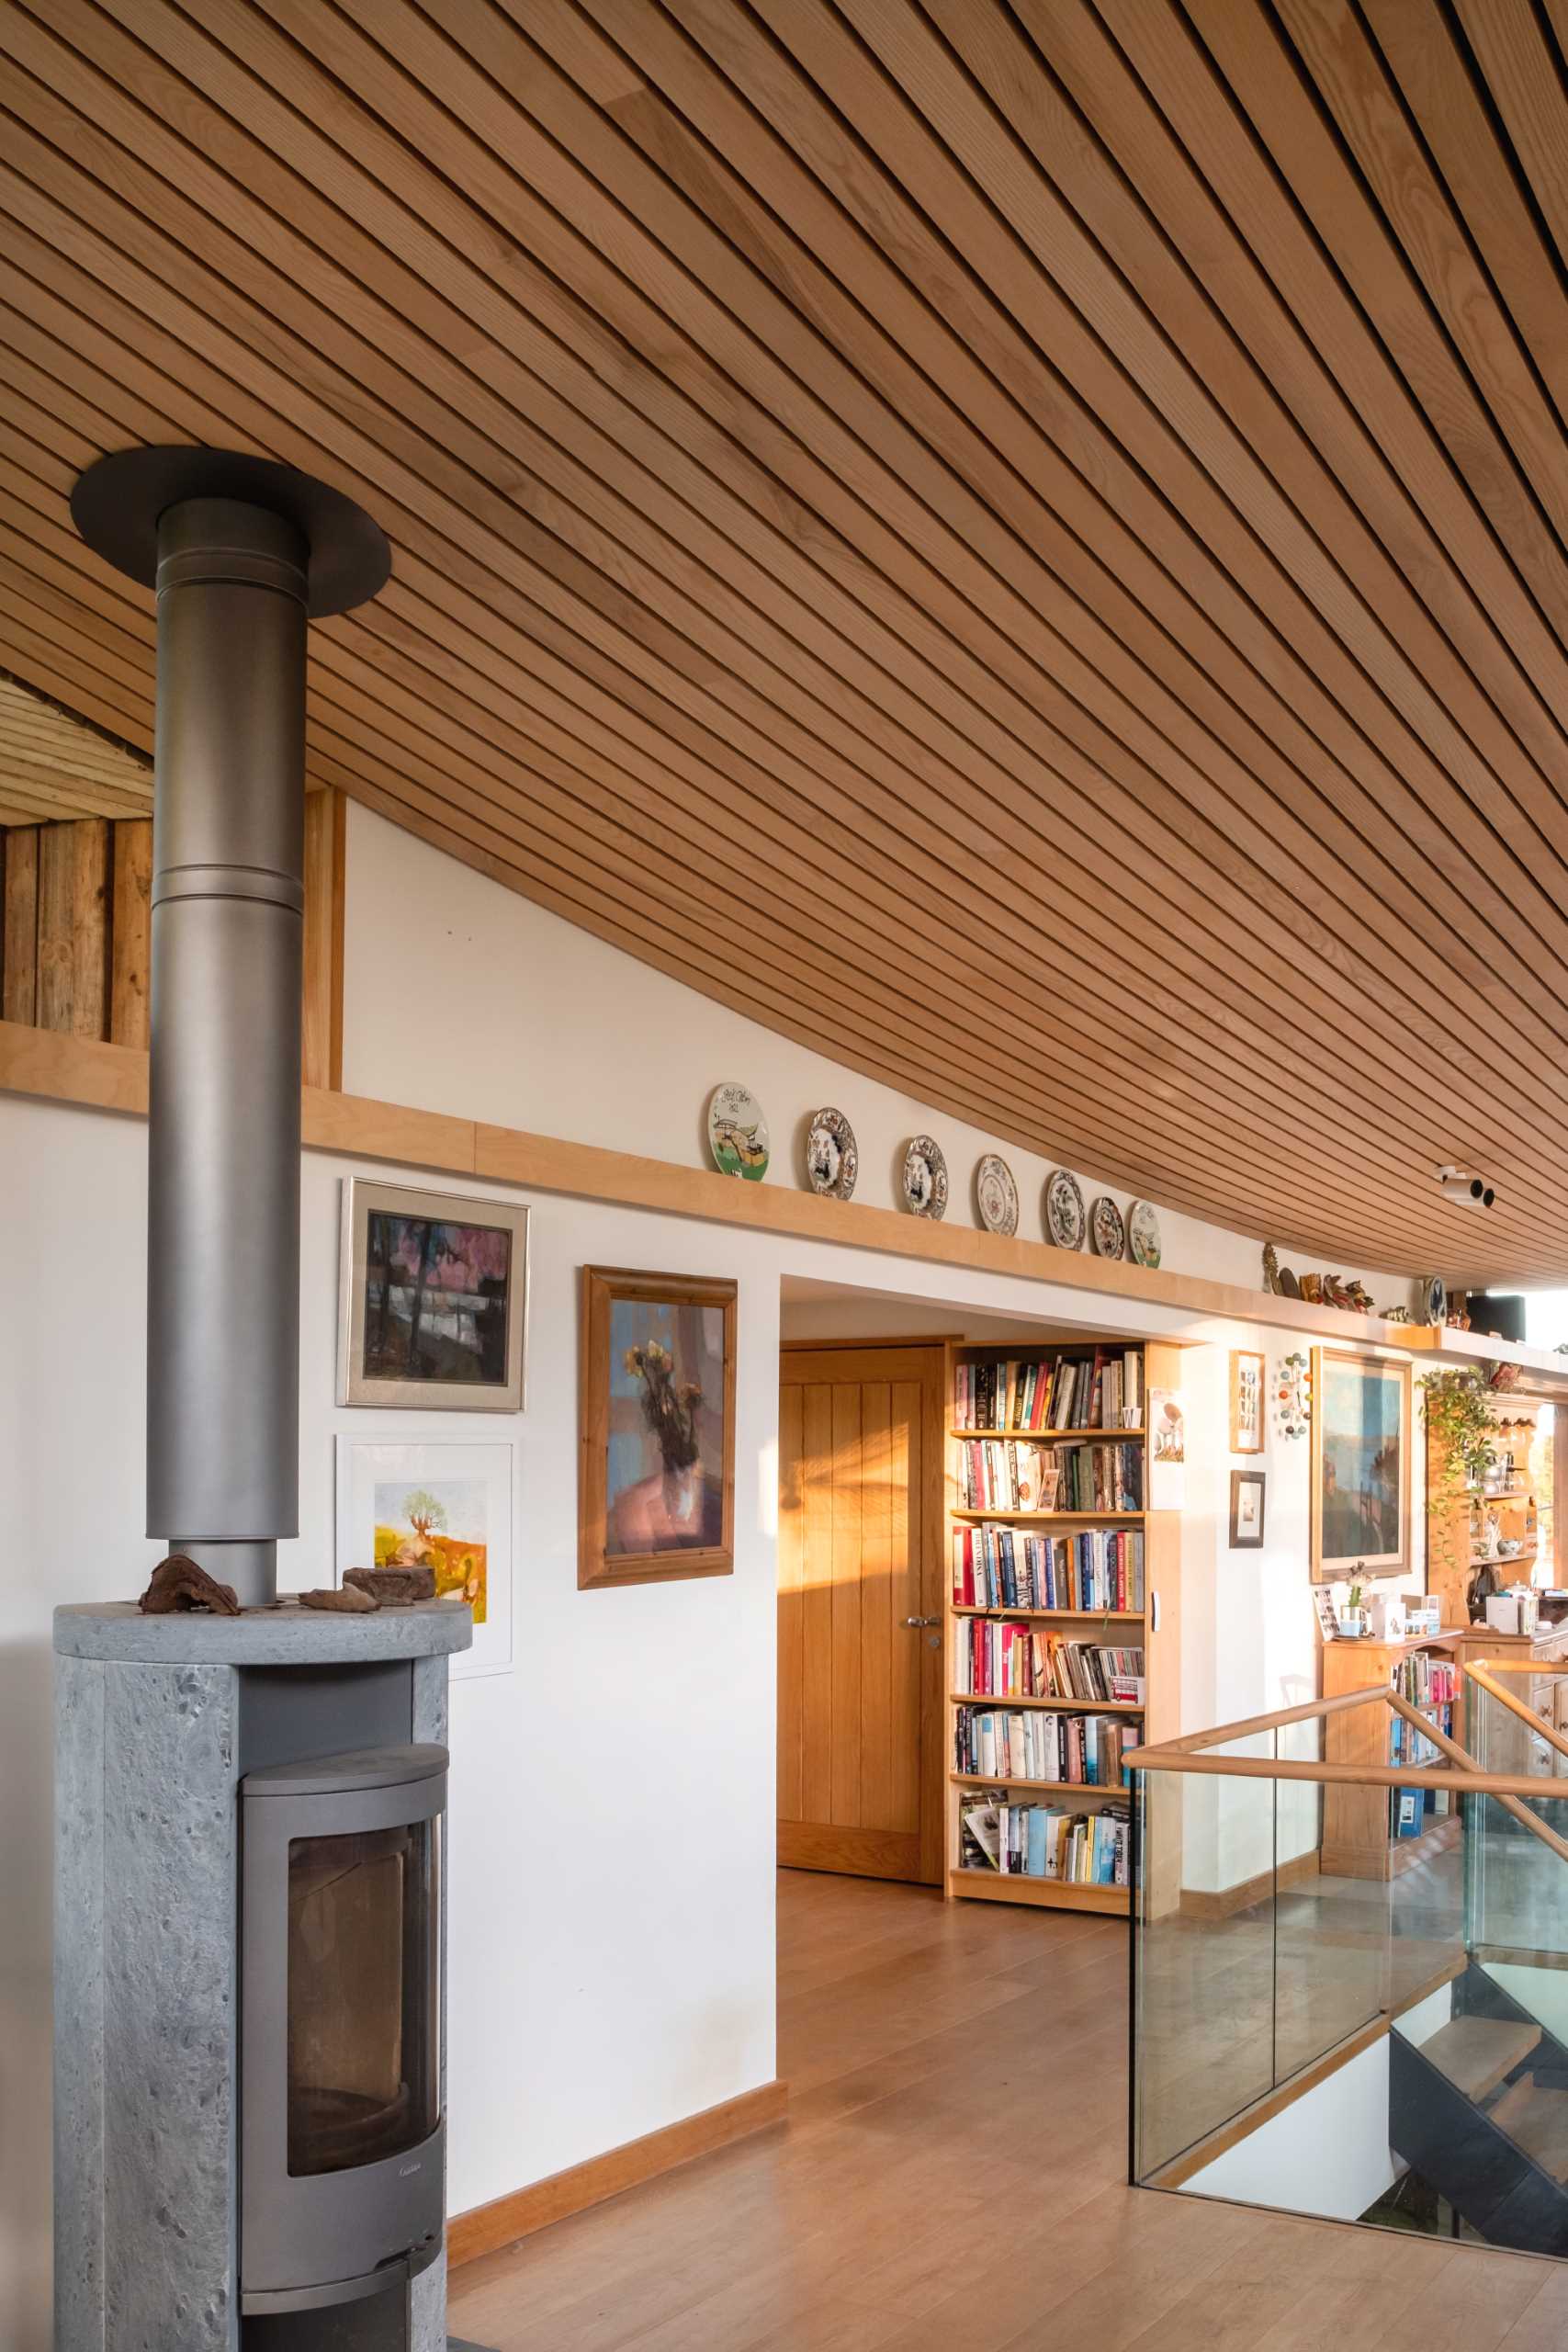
1368	1831
1063	1616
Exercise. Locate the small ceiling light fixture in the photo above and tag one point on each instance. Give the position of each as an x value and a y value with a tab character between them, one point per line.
1470	1191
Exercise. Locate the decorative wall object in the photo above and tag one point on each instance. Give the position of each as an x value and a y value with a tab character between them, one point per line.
925	1178
996	1194
1168	1450
1248	1374
1066	1225
1328	1615
1435	1299
656	1493
1292	1396
1142	1234
1360	1465
445	1507
737	1131
433	1300
1248	1492
832	1156
1106	1229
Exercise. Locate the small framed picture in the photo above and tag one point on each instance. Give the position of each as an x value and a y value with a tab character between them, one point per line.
1247	1401
444	1506
656	1495
1246	1510
433	1305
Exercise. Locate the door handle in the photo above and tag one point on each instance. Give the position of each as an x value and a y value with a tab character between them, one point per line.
922	1620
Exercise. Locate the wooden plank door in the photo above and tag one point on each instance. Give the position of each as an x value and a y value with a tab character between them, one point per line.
860	1775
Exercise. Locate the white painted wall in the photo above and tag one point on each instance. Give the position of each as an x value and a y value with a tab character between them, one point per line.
612	1795
1328	2153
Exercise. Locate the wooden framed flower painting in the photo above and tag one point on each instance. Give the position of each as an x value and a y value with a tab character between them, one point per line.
656	1491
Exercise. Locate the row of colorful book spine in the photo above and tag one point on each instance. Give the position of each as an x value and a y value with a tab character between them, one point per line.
996	1658
1007	1568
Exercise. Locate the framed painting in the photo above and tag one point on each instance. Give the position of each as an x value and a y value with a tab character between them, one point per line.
433	1305
441	1505
1168	1450
656	1494
1247	1495
1360	1466
1247	1370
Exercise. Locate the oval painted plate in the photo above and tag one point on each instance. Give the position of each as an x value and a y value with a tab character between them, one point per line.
1437	1299
1142	1234
1106	1229
1066	1223
996	1194
737	1131
925	1178
832	1156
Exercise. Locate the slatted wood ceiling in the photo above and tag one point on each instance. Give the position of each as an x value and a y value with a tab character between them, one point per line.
1023	543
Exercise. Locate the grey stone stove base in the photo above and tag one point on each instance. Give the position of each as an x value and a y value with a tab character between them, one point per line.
149	1747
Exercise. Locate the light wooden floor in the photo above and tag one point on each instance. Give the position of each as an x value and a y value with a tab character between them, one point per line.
951	2180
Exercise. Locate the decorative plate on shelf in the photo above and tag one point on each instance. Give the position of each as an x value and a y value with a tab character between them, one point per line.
1064	1221
1106	1229
737	1131
996	1194
1142	1234
1436	1293
832	1156
925	1178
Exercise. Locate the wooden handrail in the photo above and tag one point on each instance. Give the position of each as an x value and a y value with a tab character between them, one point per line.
1190	1742
1513	1805
1483	1670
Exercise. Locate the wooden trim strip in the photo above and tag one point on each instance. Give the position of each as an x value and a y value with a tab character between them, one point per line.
487	2227
114	1078
1224	1902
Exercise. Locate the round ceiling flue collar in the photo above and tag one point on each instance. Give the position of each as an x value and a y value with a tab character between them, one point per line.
116	505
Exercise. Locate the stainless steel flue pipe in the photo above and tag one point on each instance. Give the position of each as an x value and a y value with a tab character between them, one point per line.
228	962
242	552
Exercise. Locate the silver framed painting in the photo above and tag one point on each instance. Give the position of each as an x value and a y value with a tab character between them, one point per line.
434	1304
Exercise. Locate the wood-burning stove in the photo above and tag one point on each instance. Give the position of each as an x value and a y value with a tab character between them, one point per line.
341	2135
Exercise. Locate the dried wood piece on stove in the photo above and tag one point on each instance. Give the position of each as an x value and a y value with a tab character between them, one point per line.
397	1587
178	1583
350	1600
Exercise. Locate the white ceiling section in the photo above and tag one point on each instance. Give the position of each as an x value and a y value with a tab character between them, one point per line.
1021	545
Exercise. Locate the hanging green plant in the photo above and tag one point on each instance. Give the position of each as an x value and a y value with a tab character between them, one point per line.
1459	1414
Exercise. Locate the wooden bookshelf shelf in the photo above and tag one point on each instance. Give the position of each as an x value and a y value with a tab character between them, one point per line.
1053	1706
1054	1437
1076	1616
1070	1792
1154	1630
1051	1893
1048	1518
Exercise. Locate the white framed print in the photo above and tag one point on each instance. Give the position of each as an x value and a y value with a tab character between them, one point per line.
447	1505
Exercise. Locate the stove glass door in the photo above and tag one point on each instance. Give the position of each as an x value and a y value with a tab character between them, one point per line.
363	1995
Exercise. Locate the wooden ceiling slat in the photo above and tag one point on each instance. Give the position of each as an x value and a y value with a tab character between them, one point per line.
1358	415
1408	823
66	473
1273	92
883	478
1064	1091
1390	700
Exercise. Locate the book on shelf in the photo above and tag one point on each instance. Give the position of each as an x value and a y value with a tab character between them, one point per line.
1012	1474
1034	1744
1102	1391
1045	1841
1014	1567
995	1658
1432	1686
